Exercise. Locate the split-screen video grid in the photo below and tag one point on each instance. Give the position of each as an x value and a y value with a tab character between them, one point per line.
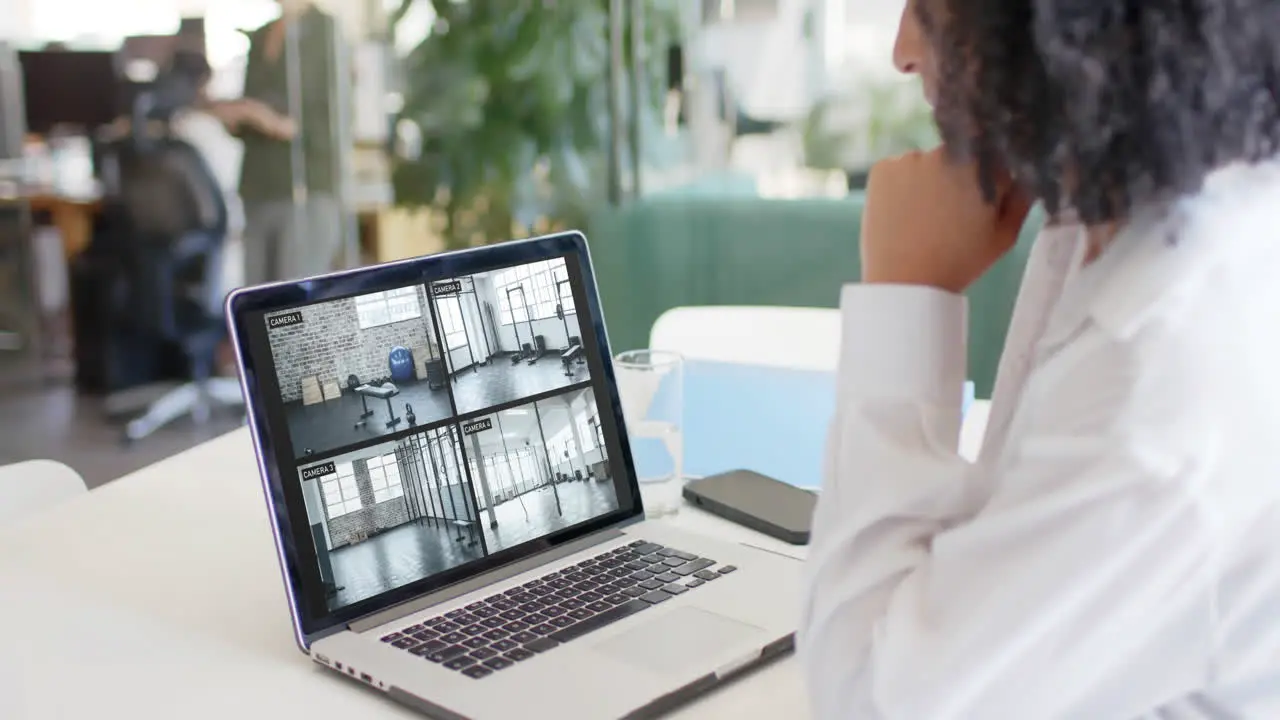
436	424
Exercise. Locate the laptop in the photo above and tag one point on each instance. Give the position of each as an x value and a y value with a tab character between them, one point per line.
454	501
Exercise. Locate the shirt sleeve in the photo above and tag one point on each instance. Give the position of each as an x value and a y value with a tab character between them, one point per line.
1042	600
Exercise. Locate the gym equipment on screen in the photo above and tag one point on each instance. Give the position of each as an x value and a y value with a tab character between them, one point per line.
448	431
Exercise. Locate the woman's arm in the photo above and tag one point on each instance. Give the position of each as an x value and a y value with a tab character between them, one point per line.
248	115
928	601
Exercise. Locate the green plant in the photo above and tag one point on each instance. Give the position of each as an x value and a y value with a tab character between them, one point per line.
879	119
899	120
511	99
825	146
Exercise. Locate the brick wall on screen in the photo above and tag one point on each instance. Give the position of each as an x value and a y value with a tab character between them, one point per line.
371	519
329	343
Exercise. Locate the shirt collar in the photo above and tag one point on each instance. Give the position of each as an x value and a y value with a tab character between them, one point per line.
1165	250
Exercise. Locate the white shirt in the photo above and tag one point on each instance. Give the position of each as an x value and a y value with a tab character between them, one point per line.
210	138
223	152
1115	551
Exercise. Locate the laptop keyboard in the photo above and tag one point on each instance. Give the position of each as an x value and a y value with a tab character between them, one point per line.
511	627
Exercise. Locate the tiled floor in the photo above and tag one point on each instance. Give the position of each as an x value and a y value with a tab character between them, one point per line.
330	425
396	558
502	382
418	549
579	501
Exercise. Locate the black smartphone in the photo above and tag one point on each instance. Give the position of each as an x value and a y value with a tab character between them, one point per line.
756	501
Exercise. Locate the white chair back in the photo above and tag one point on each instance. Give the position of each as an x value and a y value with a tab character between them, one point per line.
790	337
29	487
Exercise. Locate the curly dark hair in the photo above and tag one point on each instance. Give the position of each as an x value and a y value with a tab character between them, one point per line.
1099	106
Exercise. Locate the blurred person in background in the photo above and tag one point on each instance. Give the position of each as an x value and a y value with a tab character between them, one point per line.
1114	550
203	123
293	219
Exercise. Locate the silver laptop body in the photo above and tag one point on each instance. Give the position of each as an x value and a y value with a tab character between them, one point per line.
426	558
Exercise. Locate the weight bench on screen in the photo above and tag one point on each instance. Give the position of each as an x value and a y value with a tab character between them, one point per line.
570	357
573	354
385	391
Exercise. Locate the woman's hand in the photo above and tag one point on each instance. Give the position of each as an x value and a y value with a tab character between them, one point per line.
236	115
271	123
927	223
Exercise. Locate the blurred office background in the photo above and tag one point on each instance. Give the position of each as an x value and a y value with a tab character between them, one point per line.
713	150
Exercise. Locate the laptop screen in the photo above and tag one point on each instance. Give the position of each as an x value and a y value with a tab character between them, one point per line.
429	430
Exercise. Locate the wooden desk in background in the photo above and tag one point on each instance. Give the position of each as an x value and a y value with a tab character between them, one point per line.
386	233
389	233
72	216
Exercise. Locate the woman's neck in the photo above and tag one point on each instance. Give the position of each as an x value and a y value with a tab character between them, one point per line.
1097	238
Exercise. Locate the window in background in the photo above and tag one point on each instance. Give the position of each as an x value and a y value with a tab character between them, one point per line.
417	22
749	10
538	280
391	306
228	46
455	334
384	477
341	494
97	23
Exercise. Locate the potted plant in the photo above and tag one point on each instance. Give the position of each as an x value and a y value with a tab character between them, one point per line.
507	104
879	119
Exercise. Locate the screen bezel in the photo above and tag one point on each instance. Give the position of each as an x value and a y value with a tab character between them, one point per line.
276	462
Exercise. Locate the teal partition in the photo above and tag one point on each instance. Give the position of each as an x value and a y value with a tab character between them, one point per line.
664	252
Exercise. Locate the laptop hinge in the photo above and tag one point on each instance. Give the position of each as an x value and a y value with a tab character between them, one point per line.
417	605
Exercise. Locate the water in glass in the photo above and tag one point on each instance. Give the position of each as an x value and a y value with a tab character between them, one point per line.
651	385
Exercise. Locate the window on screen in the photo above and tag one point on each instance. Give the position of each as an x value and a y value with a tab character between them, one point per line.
390	306
384	478
341	495
540	294
455	334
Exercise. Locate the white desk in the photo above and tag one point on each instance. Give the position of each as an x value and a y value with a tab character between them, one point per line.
159	596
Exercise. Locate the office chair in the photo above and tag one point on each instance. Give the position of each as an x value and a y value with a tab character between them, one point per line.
168	221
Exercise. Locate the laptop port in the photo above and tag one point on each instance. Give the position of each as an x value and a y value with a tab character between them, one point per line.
365	677
338	665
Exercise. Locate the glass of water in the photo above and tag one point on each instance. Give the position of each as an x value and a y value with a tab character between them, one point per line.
651	385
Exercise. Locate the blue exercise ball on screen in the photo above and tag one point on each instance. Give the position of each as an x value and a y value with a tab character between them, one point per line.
401	362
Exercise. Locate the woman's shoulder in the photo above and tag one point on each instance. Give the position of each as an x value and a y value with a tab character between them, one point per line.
1175	323
1211	254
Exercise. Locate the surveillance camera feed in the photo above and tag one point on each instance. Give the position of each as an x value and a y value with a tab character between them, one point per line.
437	424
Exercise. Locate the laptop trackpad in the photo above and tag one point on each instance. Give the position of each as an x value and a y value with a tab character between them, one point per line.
685	638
